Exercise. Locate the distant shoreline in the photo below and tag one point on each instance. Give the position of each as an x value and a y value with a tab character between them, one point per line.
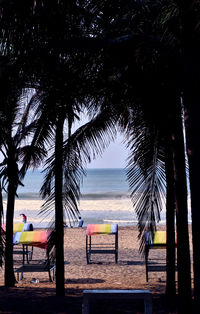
118	211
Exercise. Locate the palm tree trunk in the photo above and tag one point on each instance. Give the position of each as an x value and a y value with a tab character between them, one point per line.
189	16
170	224
191	100
60	273
9	272
1	216
183	250
191	104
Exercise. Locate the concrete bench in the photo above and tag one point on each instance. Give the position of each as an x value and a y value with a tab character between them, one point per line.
92	295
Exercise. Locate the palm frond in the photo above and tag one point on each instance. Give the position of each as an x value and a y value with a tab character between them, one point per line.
24	131
34	154
146	177
71	191
43	136
91	139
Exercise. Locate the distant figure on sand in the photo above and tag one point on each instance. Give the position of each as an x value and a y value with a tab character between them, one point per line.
80	222
24	218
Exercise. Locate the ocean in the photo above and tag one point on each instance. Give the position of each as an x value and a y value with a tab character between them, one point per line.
97	184
105	199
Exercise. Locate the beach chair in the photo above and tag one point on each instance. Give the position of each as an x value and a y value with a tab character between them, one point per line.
101	248
21	227
157	240
41	239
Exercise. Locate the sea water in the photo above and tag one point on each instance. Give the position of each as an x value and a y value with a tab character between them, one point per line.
97	184
105	198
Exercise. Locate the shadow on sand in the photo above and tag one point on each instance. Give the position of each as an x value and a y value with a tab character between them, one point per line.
84	281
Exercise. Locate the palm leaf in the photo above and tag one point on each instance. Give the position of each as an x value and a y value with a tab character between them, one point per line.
90	139
146	177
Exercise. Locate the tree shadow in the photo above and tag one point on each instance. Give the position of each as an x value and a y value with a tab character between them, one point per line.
39	300
102	262
44	300
140	263
84	281
157	268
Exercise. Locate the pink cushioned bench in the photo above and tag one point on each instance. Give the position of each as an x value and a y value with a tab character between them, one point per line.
40	239
101	248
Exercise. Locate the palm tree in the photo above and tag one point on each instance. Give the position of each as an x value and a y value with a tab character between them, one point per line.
14	130
55	107
170	221
180	180
28	35
190	69
126	77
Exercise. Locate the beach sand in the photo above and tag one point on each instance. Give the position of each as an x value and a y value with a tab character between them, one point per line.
102	273
92	211
110	204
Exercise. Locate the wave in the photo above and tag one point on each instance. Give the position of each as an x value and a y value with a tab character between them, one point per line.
105	196
29	196
84	196
134	222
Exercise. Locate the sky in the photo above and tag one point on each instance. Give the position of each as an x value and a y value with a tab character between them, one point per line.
114	156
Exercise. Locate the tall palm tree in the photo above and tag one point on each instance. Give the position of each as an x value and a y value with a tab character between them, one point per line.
15	128
57	106
125	77
32	29
190	73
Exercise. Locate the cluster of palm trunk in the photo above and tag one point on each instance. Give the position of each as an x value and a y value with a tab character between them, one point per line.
130	66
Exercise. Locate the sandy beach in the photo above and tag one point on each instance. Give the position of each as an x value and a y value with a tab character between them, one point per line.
118	211
121	204
102	273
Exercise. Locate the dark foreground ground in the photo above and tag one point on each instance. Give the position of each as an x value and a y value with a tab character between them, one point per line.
37	300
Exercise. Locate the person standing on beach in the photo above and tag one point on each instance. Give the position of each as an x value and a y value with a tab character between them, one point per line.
24	218
80	222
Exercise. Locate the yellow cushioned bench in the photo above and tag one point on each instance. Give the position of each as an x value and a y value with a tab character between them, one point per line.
157	240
